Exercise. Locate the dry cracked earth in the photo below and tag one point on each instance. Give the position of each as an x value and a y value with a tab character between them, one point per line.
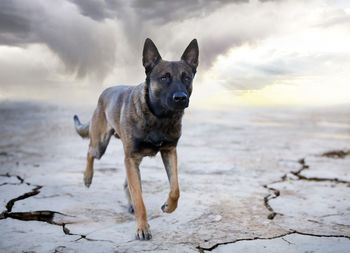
251	180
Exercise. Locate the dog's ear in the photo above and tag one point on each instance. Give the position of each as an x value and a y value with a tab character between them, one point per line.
150	55
190	56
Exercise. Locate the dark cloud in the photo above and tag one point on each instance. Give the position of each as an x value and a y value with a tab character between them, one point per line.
88	34
14	25
167	11
11	23
151	16
86	47
93	37
141	19
98	10
157	11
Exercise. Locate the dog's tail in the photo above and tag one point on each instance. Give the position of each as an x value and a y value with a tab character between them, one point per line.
82	129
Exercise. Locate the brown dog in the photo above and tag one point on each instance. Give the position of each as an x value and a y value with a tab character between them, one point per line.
147	119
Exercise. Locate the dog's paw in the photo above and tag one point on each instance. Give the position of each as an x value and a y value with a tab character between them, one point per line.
87	182
169	207
131	209
164	207
143	233
88	178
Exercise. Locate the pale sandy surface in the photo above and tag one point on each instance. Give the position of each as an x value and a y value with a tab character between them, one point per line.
251	180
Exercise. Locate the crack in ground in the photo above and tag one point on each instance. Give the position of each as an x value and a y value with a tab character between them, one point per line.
42	215
318	179
274	193
267	198
21	180
10	204
26	195
336	154
48	216
202	249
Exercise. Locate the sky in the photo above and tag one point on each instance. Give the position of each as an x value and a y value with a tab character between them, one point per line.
252	52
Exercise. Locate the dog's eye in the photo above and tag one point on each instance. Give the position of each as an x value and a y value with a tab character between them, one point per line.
186	78
165	78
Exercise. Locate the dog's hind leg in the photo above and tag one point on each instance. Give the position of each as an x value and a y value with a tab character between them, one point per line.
169	158
100	134
127	193
128	197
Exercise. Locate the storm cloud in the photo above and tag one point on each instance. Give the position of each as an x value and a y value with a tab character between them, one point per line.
89	36
98	43
84	46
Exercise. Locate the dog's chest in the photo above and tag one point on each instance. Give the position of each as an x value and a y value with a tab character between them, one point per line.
152	141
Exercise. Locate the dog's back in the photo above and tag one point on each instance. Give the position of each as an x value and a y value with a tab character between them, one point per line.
110	104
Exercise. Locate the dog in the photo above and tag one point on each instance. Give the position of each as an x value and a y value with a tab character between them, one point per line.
147	119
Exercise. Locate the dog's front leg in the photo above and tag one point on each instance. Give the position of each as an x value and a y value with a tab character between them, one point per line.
134	181
170	162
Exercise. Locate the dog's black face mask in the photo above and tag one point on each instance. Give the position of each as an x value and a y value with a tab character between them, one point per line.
169	83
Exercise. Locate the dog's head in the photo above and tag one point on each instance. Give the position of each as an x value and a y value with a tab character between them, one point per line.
169	83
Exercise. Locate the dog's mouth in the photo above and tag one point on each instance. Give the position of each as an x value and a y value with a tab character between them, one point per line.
179	106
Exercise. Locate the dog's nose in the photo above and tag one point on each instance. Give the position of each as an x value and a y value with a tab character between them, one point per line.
179	97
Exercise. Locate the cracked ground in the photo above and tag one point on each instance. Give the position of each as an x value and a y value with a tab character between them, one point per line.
251	180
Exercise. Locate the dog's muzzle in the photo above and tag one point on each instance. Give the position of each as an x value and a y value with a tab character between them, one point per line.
180	99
